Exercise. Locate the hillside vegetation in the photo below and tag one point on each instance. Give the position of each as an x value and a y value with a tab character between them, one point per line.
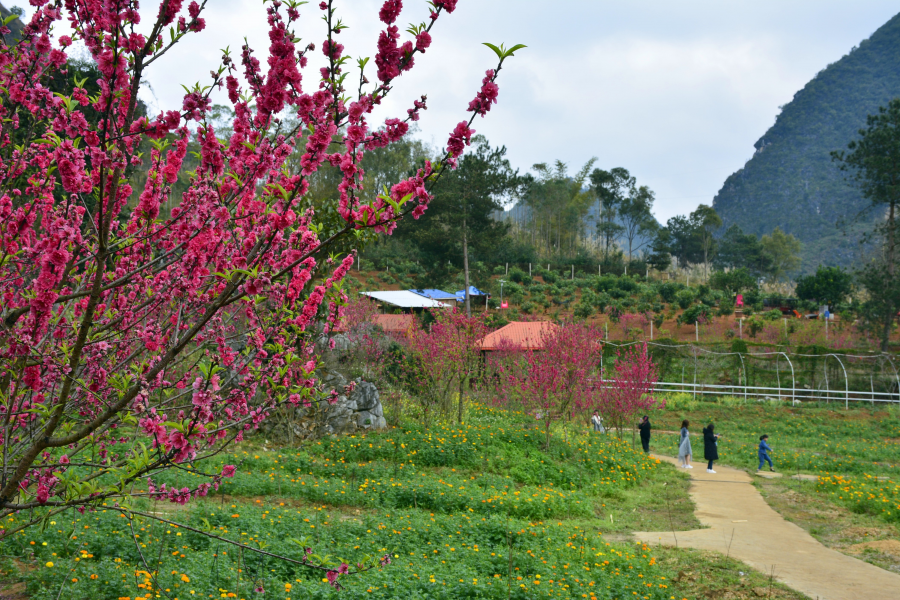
791	180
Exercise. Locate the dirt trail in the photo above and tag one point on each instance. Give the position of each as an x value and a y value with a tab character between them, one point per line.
742	525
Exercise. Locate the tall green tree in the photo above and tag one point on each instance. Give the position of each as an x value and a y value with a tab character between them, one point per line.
638	222
831	285
611	188
684	240
461	218
557	205
742	250
661	250
873	162
706	221
783	250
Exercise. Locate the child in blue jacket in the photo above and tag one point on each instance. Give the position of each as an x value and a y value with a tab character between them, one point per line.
764	449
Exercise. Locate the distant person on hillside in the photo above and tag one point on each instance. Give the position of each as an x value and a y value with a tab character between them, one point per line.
597	422
710	446
644	427
684	446
764	449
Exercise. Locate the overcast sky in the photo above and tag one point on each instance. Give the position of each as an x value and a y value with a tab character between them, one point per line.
675	91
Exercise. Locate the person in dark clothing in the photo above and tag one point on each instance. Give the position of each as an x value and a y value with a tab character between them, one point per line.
644	427
710	446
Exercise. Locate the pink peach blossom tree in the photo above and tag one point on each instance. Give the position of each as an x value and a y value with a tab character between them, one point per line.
137	338
555	380
444	359
630	390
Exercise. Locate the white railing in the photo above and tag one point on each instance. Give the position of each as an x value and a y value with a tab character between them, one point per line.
794	395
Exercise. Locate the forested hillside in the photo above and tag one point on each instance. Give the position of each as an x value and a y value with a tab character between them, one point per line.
791	181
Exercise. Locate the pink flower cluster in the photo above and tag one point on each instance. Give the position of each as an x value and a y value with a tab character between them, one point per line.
140	286
486	96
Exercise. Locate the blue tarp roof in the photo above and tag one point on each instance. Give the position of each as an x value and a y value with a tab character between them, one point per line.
435	294
473	291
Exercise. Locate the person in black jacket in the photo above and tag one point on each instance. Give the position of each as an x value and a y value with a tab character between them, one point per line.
644	427
710	446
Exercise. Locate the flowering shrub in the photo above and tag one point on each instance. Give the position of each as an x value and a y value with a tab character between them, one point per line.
443	359
555	380
135	338
630	390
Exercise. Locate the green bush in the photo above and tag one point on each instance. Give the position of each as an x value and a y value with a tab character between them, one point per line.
668	290
685	297
549	276
725	310
755	324
627	284
773	315
696	313
583	309
518	275
681	401
730	401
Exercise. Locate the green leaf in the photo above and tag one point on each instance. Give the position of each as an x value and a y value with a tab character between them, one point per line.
496	50
514	48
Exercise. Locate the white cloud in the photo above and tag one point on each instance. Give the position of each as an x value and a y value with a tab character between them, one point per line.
677	92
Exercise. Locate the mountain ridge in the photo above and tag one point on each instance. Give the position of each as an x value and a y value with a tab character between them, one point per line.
791	181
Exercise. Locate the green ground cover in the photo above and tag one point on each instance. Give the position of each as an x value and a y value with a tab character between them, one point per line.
855	453
477	511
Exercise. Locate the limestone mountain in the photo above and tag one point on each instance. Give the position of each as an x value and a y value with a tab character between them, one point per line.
791	181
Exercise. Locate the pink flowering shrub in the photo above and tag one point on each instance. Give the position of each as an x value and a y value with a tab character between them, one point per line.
134	339
443	360
557	379
633	323
630	390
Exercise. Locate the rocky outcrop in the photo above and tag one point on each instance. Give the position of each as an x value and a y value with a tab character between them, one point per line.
361	410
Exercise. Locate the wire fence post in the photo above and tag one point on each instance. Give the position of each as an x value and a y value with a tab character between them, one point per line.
778	374
846	383
695	374
872	383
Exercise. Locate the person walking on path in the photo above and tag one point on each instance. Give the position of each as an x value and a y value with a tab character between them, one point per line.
644	427
764	449
597	422
684	446
710	446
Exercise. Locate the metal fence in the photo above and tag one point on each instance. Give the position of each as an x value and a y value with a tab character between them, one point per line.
837	371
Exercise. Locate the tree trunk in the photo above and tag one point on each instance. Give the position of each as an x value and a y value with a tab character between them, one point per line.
889	318
462	388
466	267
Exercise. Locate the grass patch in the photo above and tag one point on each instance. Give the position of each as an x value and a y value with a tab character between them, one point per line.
478	511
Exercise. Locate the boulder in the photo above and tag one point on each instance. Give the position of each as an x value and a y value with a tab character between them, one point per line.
366	395
362	409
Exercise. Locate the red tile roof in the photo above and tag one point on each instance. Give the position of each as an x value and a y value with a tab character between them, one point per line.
395	323
517	335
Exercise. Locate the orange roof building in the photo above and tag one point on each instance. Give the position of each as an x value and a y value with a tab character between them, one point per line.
395	324
518	335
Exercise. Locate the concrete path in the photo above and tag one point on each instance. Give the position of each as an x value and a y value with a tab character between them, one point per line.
742	525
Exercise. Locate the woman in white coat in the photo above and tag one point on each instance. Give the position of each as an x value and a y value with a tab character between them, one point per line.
684	446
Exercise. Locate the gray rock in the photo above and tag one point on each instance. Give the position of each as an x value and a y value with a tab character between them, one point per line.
334	380
365	395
